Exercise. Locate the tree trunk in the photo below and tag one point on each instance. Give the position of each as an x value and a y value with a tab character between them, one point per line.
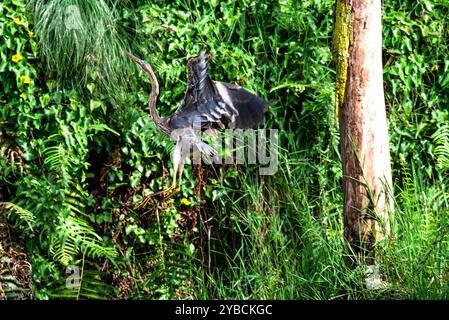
360	107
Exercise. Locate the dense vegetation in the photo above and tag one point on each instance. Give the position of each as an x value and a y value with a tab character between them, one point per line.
79	152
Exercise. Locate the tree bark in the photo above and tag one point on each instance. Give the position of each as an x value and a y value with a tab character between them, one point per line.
360	107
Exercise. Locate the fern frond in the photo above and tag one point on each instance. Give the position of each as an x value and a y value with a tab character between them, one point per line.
103	127
57	158
25	215
168	272
441	140
11	288
89	286
74	202
63	252
75	235
407	178
88	240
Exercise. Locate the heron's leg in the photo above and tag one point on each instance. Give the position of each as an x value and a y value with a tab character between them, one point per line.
177	163
179	158
180	171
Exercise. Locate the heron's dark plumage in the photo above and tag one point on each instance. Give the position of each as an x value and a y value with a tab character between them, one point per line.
207	105
213	104
251	108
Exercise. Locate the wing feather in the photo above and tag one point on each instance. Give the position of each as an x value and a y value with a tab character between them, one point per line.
213	104
248	107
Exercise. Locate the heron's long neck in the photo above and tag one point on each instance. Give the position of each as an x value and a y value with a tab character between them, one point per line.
161	123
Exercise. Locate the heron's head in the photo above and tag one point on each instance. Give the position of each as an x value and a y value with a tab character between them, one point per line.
144	65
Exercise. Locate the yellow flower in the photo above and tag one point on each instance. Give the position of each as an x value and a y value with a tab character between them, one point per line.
17	21
25	79
185	201
30	34
17	57
22	95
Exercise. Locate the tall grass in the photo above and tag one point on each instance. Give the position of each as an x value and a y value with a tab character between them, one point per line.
279	241
82	44
417	260
281	237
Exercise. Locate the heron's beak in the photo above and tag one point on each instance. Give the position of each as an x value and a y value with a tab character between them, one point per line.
135	59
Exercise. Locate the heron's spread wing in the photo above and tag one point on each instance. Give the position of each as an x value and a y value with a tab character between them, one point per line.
198	84
250	107
202	106
215	104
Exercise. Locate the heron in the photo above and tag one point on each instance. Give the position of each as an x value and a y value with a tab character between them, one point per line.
207	106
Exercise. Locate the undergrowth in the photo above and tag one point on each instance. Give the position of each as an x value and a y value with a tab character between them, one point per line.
79	152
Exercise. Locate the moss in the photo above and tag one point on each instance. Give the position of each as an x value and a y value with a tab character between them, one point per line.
342	39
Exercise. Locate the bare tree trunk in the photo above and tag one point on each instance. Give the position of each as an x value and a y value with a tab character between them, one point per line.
363	124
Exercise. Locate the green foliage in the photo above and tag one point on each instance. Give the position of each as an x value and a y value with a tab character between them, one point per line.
87	285
74	164
45	137
416	77
416	262
21	213
441	142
